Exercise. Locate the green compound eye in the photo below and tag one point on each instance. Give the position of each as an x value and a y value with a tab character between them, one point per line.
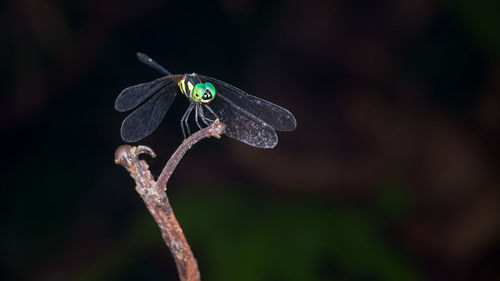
198	92
209	93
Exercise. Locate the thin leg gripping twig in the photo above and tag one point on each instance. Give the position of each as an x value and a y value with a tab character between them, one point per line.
154	195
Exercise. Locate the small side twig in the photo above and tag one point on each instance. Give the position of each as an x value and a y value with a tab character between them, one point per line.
154	195
215	130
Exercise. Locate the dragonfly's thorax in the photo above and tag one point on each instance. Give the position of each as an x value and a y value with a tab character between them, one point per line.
192	87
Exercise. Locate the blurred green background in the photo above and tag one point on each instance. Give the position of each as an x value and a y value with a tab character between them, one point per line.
391	174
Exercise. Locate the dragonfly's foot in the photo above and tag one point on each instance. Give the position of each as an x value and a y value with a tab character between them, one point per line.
204	119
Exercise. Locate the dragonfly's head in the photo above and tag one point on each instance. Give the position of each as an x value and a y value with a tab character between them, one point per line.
192	87
203	93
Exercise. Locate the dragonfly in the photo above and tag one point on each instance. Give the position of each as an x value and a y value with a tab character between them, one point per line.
249	119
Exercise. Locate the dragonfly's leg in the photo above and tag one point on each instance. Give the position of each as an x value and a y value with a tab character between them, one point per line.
184	119
196	112
203	118
183	130
187	119
211	111
182	122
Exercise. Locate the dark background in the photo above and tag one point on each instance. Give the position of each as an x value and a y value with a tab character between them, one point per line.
391	174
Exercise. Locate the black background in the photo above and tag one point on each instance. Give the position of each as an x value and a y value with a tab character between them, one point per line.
391	174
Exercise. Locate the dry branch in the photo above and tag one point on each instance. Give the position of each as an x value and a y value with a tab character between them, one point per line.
154	195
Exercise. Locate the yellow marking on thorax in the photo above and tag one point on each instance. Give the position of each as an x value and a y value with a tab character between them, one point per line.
182	85
190	86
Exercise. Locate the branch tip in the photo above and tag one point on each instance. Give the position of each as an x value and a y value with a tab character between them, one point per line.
142	149
126	154
217	128
122	153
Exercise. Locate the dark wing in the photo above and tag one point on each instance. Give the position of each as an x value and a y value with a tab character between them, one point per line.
145	119
241	124
276	116
135	95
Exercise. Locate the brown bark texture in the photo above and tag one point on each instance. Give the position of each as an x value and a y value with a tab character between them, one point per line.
154	195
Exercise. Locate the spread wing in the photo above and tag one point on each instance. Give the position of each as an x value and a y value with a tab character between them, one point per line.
275	116
145	119
135	95
241	124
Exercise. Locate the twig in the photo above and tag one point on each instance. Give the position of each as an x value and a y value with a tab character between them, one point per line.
215	130
155	197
